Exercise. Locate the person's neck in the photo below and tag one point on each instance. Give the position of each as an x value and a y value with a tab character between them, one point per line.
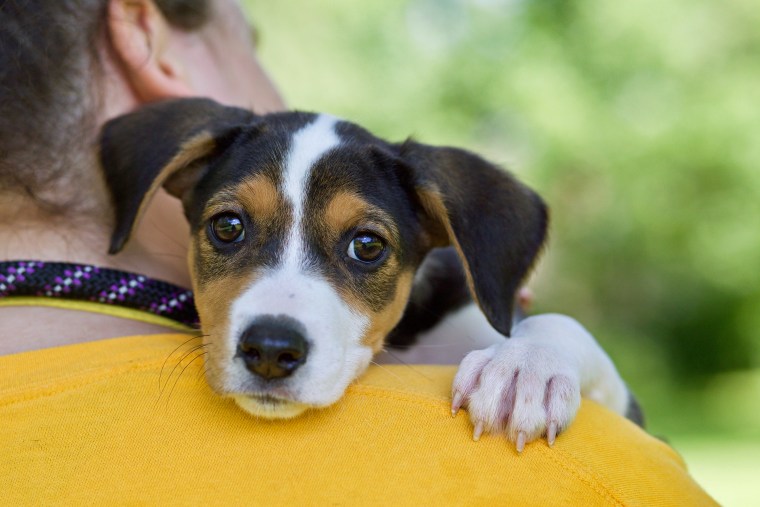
157	249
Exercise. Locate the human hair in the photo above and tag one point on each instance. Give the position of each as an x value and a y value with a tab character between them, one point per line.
49	94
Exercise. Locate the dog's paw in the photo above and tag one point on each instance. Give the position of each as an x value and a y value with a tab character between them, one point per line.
518	388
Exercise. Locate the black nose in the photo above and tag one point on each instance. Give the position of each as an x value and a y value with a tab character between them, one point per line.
273	347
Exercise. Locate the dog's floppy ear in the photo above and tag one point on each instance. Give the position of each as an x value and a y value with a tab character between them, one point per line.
165	143
496	224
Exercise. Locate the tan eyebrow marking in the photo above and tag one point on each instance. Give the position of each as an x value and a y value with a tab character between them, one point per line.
346	210
259	196
343	210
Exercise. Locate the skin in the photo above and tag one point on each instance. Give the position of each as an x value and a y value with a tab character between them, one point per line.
146	60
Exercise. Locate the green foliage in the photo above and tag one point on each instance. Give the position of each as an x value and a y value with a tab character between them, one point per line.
638	121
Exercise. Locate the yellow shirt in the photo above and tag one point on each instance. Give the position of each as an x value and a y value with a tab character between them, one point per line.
100	423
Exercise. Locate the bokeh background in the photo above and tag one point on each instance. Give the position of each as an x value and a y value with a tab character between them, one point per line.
640	124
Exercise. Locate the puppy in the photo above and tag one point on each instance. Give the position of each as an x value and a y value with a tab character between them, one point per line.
308	234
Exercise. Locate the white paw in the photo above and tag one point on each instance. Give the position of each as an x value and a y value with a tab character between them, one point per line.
519	388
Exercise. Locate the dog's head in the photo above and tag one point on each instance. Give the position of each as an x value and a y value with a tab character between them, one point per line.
306	234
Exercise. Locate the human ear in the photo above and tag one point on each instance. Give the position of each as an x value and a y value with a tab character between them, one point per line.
139	35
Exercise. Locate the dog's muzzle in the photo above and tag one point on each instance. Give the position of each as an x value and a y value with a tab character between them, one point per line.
273	347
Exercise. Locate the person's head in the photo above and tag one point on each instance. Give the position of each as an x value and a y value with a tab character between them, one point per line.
68	66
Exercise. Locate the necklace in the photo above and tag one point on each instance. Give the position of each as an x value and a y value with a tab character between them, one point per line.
85	282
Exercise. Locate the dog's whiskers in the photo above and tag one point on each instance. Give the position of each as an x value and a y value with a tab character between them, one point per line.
431	345
161	373
203	372
387	370
199	351
410	366
183	371
179	363
404	363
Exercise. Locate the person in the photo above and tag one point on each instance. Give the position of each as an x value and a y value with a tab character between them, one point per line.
126	420
123	55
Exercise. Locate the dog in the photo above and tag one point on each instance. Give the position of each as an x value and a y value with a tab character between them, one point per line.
314	244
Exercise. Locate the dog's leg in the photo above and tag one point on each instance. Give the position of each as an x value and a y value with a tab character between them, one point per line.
527	385
530	385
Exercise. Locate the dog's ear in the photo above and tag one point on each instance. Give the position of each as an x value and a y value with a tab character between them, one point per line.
167	143
496	224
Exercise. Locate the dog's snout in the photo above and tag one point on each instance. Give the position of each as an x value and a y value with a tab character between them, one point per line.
273	347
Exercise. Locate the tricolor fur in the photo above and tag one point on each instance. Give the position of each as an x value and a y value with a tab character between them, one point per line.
304	186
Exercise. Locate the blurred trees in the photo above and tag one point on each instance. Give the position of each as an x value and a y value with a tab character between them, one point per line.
638	121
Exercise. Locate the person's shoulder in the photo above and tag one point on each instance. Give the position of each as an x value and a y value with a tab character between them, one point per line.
602	459
133	419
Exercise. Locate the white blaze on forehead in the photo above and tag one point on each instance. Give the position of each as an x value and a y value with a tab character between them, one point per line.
308	145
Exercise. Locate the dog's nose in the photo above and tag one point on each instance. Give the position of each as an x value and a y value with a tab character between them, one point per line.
273	347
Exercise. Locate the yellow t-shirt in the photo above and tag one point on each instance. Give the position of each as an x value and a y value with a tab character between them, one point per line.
115	422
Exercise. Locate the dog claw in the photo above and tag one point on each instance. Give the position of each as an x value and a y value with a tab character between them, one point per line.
478	431
521	441
551	433
456	403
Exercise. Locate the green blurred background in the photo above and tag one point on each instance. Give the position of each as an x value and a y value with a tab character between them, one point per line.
639	122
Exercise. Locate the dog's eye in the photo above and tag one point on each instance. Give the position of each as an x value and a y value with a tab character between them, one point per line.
228	228
366	247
